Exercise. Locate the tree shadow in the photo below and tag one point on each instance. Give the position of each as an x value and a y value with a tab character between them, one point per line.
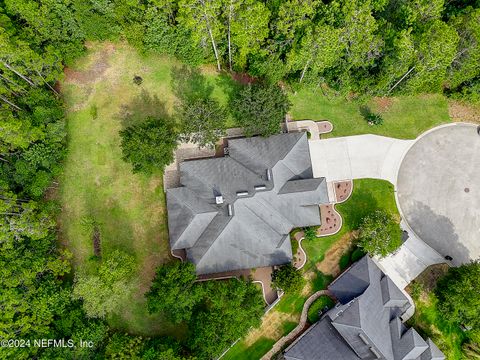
190	84
229	86
439	232
142	106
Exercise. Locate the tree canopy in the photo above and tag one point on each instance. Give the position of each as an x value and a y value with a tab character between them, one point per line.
287	278
458	295
174	292
379	234
108	288
149	146
260	108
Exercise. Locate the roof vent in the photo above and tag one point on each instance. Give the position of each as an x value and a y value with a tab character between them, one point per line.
230	210
364	339
219	199
260	187
242	193
375	352
269	176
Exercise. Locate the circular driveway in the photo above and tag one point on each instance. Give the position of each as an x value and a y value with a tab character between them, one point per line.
438	190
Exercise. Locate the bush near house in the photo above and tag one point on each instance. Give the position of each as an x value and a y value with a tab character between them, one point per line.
287	278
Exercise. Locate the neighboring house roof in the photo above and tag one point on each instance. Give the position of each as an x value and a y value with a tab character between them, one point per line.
367	320
236	212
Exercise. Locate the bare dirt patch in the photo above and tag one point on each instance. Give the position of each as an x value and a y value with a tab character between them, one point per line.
330	264
463	113
94	72
430	276
272	326
243	78
383	103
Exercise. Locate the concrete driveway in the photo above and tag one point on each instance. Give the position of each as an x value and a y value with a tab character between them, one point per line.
410	260
357	157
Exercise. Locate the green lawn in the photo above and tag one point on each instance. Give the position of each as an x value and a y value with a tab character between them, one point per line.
430	323
368	195
256	351
404	117
97	183
318	305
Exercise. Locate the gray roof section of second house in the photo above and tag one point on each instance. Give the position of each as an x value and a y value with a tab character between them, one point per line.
367	319
267	189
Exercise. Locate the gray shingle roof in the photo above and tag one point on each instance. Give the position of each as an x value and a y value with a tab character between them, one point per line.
320	342
367	319
267	189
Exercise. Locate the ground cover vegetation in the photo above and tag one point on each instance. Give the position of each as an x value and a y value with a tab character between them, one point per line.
446	308
351	48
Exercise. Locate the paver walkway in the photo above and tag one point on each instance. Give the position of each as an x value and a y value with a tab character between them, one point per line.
279	345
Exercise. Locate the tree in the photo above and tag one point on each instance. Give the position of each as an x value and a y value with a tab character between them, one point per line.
359	31
464	66
379	234
260	108
318	50
458	295
203	122
247	27
287	278
150	145
202	18
292	18
104	291
436	51
174	291
228	310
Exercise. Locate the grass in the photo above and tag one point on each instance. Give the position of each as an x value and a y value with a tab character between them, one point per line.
368	195
404	117
430	323
427	319
255	351
130	208
318	305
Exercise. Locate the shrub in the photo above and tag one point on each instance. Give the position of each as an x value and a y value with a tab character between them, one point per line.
370	116
380	234
287	278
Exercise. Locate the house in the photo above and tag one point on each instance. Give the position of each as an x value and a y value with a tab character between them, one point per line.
236	212
365	324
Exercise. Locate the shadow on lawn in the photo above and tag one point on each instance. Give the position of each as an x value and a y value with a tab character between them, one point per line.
140	108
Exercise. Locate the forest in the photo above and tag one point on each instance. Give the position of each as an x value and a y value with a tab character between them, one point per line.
354	49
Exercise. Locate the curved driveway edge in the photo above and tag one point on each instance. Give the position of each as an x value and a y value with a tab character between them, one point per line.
358	157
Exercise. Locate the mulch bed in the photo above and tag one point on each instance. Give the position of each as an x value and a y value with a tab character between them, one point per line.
330	220
343	189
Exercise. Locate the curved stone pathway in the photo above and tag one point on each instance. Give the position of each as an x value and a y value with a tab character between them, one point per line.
279	345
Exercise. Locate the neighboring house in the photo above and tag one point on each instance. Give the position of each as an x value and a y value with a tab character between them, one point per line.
236	212
365	324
